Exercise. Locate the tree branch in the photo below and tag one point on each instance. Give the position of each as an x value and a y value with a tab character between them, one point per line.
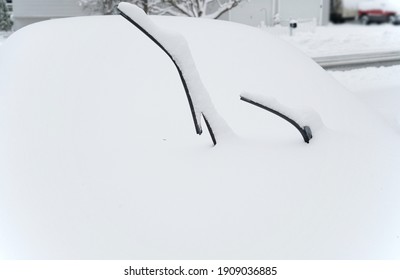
190	8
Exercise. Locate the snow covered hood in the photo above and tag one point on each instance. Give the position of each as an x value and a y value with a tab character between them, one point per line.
99	159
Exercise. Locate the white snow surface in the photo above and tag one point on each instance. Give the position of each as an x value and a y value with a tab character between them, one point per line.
378	87
99	159
344	39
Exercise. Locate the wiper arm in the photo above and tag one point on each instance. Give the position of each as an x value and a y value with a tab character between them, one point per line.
199	100
305	131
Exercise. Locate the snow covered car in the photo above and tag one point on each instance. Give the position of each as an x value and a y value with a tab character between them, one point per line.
99	158
379	11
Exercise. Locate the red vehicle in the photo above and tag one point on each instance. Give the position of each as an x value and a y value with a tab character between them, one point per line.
379	11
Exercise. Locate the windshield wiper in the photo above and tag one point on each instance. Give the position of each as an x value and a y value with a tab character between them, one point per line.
199	100
305	131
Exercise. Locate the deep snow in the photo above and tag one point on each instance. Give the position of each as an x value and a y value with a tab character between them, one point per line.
379	88
102	163
343	39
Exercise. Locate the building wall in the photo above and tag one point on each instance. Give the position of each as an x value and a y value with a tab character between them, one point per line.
30	11
254	11
308	9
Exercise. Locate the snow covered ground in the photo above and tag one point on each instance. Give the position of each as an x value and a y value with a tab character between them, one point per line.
343	39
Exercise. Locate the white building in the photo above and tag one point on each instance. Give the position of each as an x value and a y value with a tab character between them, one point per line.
254	12
29	11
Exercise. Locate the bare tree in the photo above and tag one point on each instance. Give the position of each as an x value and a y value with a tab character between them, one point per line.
199	8
190	8
5	20
109	7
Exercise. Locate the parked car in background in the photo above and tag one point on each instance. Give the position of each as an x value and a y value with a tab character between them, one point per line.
366	11
379	12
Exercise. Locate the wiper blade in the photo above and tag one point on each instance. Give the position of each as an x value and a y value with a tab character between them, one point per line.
305	131
198	98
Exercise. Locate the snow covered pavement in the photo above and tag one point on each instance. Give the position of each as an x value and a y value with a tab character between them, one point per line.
345	39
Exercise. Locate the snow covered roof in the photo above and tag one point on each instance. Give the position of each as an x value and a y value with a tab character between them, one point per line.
99	159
